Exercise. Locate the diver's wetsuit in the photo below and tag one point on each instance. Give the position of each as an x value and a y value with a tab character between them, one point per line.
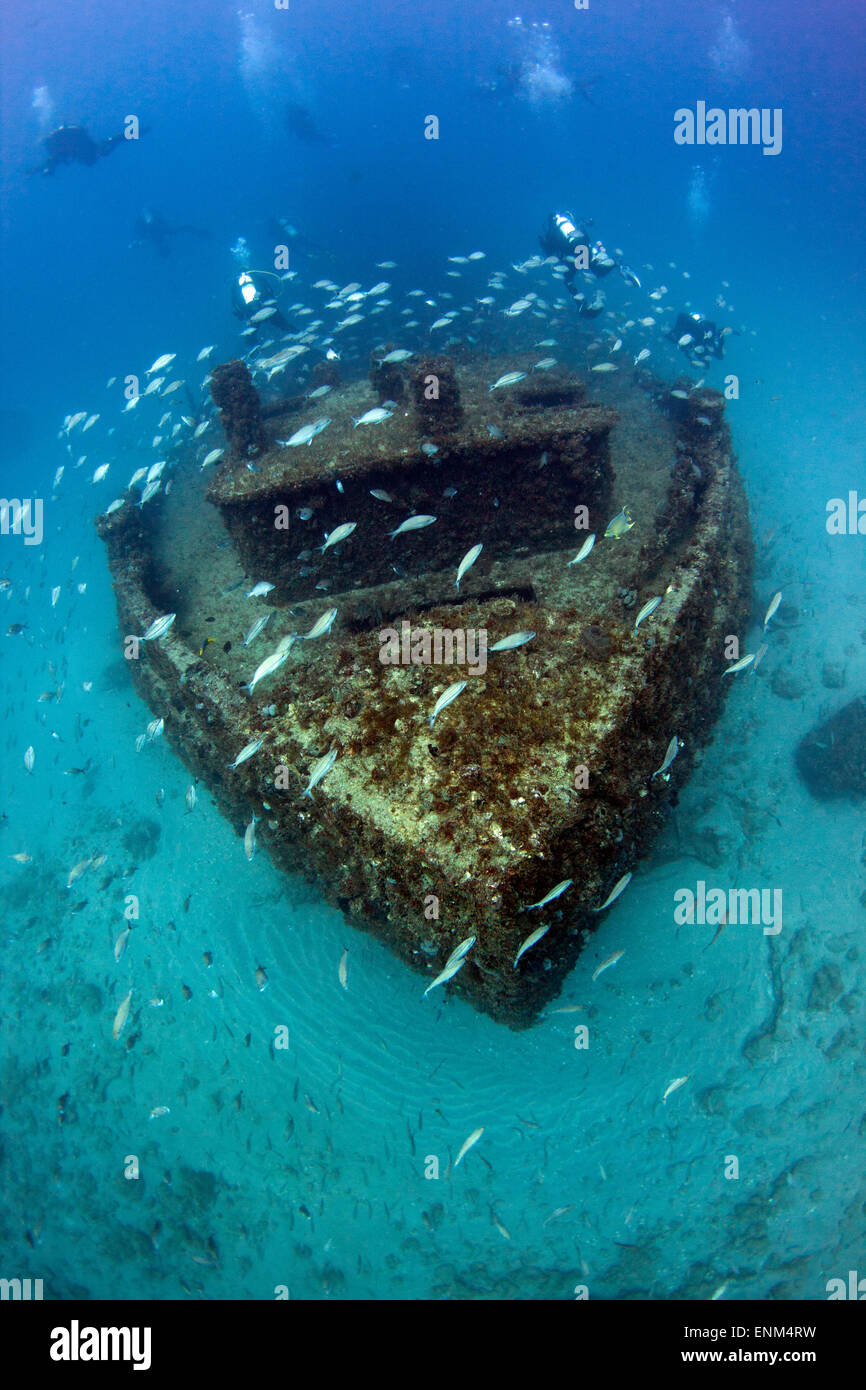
564	238
71	144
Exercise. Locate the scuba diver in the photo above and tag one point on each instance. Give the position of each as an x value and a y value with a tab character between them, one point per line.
152	227
254	293
71	144
563	238
286	233
699	338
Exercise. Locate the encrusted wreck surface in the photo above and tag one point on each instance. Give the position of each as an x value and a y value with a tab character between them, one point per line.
541	770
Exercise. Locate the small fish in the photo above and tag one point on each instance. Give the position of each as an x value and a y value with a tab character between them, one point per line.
685	340
740	665
262	314
445	975
259	590
158	1111
672	749
257	628
614	893
398	355
545	364
161	362
759	656
55	595
468	1144
606	964
340	533
100	473
212	457
320	768
510	379
554	893
605	367
318	393
250	837
247	752
120	943
584	550
704	420
205	352
372	417
343	969
29	758
642	356
261	978
675	1085
531	940
269	666
78	869
619	524
460	951
446	699
158	628
322	626
680	395
412	523
191	797
467	562
154	729
440	323
305	435
380	494
649	607
429	449
517	307
507	644
494	431
121	1016
774	604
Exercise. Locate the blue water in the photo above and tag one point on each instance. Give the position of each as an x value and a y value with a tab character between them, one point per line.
304	1167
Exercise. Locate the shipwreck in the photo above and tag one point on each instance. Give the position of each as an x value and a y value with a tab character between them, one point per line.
561	758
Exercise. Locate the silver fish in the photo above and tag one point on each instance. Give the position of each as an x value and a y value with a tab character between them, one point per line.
774	604
507	644
250	838
614	893
158	628
467	562
509	379
445	975
530	941
649	607
446	698
305	435
412	523
740	665
398	355
259	590
468	1144
554	893
460	951
256	628
584	550
320	768
340	533
247	752
268	667
672	749
322	625
372	417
